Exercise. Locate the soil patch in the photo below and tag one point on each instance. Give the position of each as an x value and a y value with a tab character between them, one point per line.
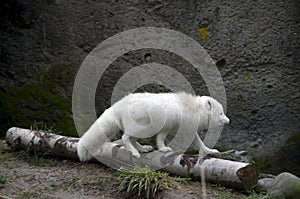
24	175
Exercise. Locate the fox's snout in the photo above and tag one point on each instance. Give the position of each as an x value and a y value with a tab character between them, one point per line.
226	120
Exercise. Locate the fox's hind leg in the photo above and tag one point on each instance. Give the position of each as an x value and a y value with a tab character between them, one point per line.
139	147
129	146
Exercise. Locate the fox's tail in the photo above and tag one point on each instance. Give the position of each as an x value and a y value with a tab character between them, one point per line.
103	129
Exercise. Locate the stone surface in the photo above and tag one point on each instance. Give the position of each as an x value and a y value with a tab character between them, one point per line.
255	46
264	184
285	185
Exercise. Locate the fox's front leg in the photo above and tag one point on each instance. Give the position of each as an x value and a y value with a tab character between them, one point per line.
201	146
129	146
160	141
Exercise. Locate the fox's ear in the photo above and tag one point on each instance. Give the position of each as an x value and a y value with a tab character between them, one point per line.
205	102
208	104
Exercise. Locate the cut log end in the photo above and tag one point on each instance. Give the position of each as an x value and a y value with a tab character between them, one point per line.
248	176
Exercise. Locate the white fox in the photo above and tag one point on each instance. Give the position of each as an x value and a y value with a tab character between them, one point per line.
142	115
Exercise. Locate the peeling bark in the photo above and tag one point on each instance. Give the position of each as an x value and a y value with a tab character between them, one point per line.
39	141
232	174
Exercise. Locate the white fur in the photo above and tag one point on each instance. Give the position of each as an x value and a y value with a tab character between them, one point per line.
142	115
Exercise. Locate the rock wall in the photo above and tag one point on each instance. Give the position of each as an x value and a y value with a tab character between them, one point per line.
255	45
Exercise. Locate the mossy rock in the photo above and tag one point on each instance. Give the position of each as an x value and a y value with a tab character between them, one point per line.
286	158
285	185
46	99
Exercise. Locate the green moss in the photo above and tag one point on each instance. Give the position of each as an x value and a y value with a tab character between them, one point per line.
288	156
285	159
3	180
294	140
203	33
296	186
295	190
41	100
262	163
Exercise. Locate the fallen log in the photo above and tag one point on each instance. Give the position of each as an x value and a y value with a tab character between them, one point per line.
232	174
38	141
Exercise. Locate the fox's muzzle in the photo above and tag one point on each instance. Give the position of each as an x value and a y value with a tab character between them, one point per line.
226	120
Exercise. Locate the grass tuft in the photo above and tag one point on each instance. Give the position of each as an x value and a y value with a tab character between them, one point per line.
30	194
42	126
35	159
77	182
146	183
254	195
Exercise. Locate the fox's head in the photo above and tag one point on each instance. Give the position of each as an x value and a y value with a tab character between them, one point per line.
214	110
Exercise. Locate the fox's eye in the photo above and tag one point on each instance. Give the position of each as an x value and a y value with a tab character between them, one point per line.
221	113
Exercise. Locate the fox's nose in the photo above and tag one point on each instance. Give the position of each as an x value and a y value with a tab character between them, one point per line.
226	120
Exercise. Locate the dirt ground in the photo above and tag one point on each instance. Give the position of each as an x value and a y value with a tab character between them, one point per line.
35	176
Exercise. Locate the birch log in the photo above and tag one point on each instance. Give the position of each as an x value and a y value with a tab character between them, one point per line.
61	146
232	174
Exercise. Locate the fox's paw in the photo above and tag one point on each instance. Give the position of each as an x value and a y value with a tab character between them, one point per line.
165	149
146	148
213	152
136	154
